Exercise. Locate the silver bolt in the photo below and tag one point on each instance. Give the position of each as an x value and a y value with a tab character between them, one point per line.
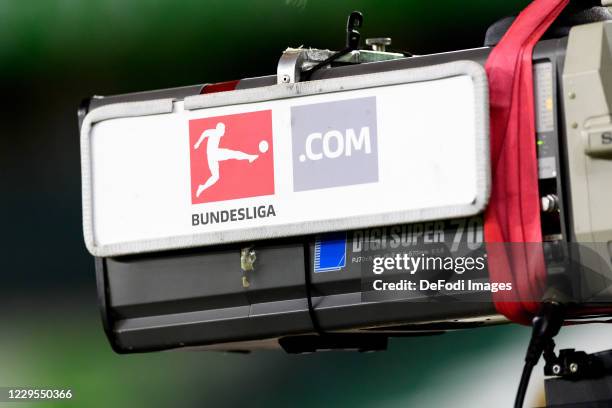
247	259
247	264
572	95
574	125
378	43
556	369
573	368
550	203
286	78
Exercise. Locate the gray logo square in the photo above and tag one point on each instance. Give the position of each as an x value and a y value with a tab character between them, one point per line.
334	144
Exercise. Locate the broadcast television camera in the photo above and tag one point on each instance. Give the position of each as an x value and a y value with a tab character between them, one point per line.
245	215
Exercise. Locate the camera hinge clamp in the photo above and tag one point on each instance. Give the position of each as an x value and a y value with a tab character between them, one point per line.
298	64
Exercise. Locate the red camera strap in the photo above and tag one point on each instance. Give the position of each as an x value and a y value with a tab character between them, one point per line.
513	214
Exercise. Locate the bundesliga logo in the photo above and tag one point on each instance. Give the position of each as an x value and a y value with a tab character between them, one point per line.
231	157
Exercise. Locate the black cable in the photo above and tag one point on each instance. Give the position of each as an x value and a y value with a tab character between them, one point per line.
308	285
545	325
522	388
355	20
307	74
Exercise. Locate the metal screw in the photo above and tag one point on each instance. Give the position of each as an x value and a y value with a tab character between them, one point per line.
247	263
286	78
378	43
556	369
247	258
573	368
572	95
550	203
574	125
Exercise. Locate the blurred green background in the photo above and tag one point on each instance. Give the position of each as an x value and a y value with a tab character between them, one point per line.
53	53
